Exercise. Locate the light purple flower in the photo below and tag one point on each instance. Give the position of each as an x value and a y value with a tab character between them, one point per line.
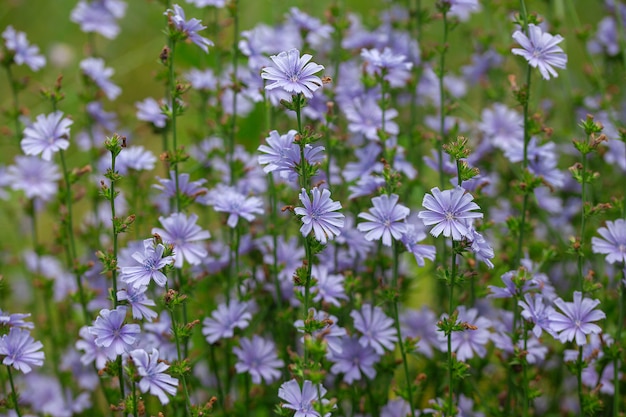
94	69
139	302
331	333
483	252
151	261
302	400
191	189
470	342
202	80
613	244
204	3
15	320
24	52
328	287
376	328
225	320
463	8
149	110
153	376
540	49
49	134
385	220
354	360
229	200
319	215
258	357
535	311
394	66
189	28
134	157
35	177
293	73
411	238
92	352
421	324
112	334
19	350
577	322
366	117
449	211
184	234
99	16
276	152
510	290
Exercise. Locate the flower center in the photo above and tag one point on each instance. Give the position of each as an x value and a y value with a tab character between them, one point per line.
449	215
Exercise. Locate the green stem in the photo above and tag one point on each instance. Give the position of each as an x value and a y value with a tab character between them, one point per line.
180	359
115	232
405	364
174	98
524	372
449	335
583	219
14	393
218	380
442	100
522	227
16	105
233	126
273	231
579	372
618	341
135	410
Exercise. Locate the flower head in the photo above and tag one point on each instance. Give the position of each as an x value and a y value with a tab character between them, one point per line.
94	69
395	67
148	267
225	320
302	400
328	287
99	16
472	341
37	178
614	243
20	350
293	73
49	134
319	215
23	52
354	360
540	50
577	320
258	357
112	334
184	234
376	328
149	110
188	28
153	376
231	201
139	302
449	211
385	220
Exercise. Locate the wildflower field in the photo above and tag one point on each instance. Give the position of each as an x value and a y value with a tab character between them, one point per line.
310	209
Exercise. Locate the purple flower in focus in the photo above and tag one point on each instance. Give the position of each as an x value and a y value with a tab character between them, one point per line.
510	289
139	302
449	211
275	152
37	178
153	376
614	243
319	215
225	320
188	28
112	334
302	400
23	52
151	261
376	328
540	50
293	73
577	322
483	252
258	357
19	350
184	234
354	360
99	16
49	134
94	69
385	220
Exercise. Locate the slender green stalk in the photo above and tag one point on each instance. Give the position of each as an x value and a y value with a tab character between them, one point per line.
174	98
274	232
14	393
233	126
442	100
180	359
618	341
135	410
16	105
115	233
579	378
396	318
218	380
583	220
449	335
525	402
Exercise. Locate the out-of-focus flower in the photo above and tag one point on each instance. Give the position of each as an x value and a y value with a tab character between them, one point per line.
36	178
328	287
540	49
149	110
225	320
293	73
375	327
202	80
99	16
139	302
204	3
470	342
354	360
258	357
366	117
94	69
229	200
23	51
394	67
49	134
